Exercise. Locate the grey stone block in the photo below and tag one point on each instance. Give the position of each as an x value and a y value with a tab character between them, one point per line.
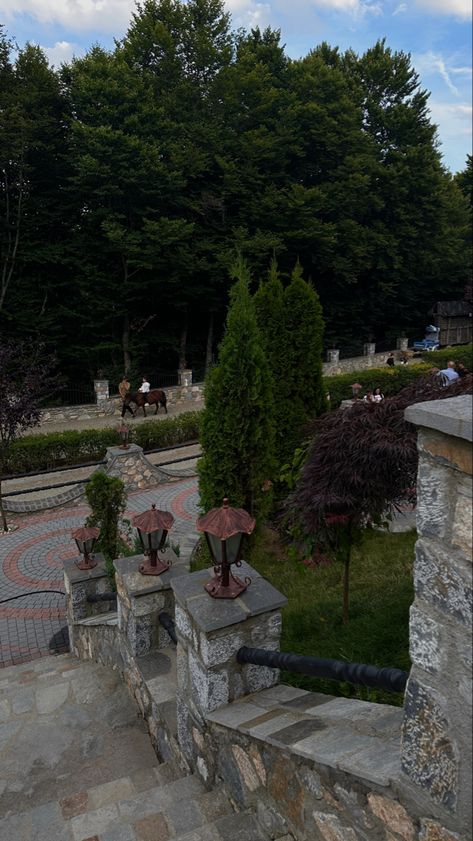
443	580
239	828
452	416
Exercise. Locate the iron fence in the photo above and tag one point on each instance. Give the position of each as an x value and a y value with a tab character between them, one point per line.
70	396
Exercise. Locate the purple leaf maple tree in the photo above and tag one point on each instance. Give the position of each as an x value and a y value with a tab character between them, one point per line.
27	376
360	469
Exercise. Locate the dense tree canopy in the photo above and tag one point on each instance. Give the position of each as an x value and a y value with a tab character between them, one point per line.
129	176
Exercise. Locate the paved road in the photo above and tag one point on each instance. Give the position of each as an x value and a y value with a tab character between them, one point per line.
114	420
33	625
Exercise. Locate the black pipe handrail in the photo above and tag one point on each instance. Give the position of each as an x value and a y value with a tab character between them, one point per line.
389	679
31	593
168	624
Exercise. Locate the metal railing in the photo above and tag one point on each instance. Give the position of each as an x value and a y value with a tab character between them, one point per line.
360	674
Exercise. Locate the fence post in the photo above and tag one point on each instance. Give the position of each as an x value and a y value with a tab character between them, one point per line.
333	355
369	349
101	390
402	343
184	377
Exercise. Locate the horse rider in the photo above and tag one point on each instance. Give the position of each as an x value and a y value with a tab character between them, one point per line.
144	387
123	390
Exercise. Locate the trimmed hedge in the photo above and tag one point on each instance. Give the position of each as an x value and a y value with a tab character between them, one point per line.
57	449
389	380
440	358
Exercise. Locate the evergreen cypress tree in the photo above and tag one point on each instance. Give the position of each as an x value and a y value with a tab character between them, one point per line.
270	308
237	432
302	393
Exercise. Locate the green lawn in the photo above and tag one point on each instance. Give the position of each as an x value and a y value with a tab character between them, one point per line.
381	594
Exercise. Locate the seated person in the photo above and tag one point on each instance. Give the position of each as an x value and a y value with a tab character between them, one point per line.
145	386
390	360
448	374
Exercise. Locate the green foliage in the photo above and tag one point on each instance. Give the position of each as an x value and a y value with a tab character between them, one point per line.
301	389
54	449
440	358
389	380
237	429
381	595
107	499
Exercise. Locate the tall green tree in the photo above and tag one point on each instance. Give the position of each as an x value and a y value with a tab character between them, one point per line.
303	395
270	315
237	430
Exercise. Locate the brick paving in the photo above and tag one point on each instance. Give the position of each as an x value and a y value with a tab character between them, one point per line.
32	624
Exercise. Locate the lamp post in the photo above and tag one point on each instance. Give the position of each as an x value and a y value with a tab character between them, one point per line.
356	388
124	433
86	538
224	530
153	527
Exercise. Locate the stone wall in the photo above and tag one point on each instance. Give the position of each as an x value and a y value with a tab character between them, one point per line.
112	407
311	766
355	363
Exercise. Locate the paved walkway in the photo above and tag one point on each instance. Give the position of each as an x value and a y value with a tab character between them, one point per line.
114	420
77	765
33	625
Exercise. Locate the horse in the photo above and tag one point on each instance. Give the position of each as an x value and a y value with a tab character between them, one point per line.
155	396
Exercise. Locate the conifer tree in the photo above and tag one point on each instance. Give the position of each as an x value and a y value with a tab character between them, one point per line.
269	306
237	432
302	394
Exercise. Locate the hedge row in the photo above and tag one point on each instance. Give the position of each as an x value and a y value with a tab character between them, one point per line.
389	380
55	449
459	353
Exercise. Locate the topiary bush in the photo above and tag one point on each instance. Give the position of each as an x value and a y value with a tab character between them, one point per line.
107	499
57	449
440	358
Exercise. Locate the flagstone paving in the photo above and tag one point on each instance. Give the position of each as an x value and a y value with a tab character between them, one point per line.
77	765
32	622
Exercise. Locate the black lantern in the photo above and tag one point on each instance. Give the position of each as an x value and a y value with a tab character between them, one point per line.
86	538
224	530
124	433
356	388
153	527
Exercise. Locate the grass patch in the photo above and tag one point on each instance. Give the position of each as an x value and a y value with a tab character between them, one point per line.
381	594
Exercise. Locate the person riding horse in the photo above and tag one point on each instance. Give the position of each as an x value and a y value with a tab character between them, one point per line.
155	397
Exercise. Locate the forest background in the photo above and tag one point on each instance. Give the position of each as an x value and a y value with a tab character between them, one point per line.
129	177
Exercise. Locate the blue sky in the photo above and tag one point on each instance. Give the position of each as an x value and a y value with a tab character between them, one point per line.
437	33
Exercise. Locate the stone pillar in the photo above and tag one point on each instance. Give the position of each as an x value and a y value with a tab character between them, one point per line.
101	391
210	632
369	349
402	343
436	748
333	355
140	600
184	377
81	583
132	467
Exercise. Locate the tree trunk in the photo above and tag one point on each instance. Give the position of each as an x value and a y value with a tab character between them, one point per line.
2	510
183	347
210	341
126	343
346	587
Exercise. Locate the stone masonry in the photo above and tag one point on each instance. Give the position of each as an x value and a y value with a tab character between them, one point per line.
437	748
133	468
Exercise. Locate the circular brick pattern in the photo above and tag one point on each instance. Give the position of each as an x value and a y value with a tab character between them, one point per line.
34	624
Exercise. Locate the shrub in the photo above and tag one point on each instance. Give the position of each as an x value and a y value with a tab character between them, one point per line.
107	499
459	353
55	449
389	380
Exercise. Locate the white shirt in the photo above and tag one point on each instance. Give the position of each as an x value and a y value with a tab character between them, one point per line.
144	388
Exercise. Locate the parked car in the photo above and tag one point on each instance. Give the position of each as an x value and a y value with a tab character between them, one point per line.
426	344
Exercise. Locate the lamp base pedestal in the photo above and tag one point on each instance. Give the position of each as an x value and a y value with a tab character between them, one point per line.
88	562
218	590
148	568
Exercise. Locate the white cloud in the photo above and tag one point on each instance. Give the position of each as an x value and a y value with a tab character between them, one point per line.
453	119
62	52
430	63
102	15
249	13
401	8
454	8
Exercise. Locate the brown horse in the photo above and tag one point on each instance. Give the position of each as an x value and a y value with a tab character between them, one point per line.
154	397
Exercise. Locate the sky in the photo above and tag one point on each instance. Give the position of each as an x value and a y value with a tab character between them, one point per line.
437	34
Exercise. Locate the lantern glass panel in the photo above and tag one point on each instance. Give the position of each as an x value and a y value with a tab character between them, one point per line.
80	545
157	538
89	545
233	545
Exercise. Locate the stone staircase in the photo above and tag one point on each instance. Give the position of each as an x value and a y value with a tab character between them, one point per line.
77	765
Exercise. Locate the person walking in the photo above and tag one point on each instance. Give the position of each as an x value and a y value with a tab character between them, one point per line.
123	389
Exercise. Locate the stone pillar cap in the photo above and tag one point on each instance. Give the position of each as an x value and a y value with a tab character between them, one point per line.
452	416
213	614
